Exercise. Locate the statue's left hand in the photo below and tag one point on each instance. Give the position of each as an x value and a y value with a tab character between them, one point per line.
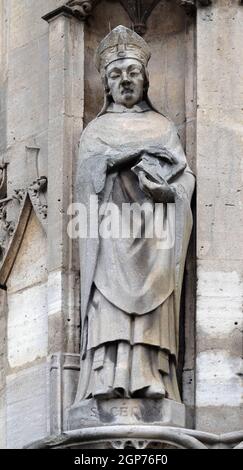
158	192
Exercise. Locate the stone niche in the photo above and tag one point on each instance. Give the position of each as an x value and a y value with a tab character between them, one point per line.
170	34
167	37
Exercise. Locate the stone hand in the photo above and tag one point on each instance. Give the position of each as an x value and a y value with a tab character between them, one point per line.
158	192
115	164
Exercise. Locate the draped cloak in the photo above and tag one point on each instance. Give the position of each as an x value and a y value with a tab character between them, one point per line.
127	294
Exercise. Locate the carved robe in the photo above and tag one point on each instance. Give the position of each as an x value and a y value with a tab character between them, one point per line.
130	289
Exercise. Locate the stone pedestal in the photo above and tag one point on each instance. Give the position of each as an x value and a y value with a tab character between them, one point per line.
131	411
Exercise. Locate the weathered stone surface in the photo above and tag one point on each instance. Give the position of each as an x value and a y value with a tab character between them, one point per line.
66	56
30	265
133	411
219	167
27	406
3	437
27	325
26	121
3	79
25	55
219	382
63	291
221	418
3	366
219	307
54	289
169	54
64	375
27	299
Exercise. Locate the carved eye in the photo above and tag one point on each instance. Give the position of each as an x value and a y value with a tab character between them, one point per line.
134	73
114	75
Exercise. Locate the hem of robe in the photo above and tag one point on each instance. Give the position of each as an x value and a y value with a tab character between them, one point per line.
108	323
124	371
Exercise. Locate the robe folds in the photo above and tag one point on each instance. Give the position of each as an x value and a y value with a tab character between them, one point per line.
130	289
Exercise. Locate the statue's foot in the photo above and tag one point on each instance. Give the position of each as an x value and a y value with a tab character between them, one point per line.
120	393
154	391
111	393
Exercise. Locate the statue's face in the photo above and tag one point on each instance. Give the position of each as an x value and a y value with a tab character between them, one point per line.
126	81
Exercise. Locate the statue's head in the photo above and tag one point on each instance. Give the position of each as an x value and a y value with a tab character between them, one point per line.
122	59
125	81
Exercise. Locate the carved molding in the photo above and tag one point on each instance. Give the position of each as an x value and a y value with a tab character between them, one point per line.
11	231
142	437
191	5
37	195
203	3
36	192
6	227
137	10
81	8
3	168
13	242
3	179
64	375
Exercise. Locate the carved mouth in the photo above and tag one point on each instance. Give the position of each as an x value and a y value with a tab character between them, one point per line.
127	91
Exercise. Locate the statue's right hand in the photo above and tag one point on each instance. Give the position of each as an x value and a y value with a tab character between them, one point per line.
158	192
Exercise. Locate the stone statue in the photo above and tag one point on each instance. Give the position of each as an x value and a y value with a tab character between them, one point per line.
130	289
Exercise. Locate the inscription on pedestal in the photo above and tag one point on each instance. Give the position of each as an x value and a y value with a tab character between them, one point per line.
120	411
130	411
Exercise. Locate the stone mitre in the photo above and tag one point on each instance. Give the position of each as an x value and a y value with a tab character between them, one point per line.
121	43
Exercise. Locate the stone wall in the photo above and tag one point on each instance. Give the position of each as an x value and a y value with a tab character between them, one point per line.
27	340
219	217
24	113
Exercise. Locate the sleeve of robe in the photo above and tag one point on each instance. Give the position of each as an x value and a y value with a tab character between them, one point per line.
184	186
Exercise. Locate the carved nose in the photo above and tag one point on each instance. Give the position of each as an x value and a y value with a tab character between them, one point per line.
125	80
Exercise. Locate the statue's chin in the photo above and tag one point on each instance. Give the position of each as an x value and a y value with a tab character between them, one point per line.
129	105
129	101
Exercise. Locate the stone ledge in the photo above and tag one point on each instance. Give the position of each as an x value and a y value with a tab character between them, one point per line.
60	11
140	437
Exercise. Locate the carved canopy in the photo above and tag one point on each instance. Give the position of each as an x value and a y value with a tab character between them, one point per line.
138	10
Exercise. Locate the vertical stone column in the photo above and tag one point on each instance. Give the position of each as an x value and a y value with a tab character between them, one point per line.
3	365
3	132
4	37
190	275
219	217
66	57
